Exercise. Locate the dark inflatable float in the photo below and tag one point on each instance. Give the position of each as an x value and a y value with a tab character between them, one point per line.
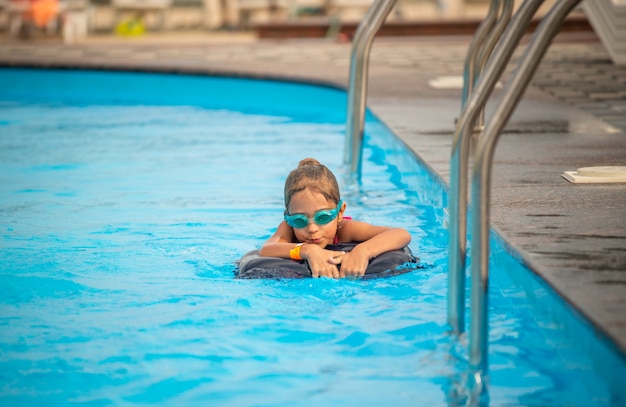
387	264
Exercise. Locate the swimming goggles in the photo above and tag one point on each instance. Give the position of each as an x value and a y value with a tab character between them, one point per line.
322	217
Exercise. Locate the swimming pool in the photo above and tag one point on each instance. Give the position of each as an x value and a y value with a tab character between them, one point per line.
125	200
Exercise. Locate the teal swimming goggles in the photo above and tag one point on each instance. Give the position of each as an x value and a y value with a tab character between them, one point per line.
323	217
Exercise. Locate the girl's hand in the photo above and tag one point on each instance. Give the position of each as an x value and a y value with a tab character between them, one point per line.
323	263
354	263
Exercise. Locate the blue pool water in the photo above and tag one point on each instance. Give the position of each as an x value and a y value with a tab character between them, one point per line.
125	200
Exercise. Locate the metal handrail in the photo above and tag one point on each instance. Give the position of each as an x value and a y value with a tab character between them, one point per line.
471	72
486	51
460	159
469	67
357	85
481	178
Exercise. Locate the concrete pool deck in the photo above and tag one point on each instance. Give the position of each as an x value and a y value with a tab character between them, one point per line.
573	115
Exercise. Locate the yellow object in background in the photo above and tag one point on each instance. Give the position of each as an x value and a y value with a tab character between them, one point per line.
130	28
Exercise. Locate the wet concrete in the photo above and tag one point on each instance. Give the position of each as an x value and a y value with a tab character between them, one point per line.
573	235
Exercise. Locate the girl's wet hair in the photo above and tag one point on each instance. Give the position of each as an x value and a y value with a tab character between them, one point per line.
314	176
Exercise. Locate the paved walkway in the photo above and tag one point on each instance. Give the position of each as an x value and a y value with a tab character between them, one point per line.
573	115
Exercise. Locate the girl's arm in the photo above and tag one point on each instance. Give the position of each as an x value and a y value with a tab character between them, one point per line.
279	244
375	240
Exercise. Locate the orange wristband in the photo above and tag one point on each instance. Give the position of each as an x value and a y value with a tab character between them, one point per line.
294	253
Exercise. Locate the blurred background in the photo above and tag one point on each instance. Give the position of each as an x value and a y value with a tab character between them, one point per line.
75	19
72	21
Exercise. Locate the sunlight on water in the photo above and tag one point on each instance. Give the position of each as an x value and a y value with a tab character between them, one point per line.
121	220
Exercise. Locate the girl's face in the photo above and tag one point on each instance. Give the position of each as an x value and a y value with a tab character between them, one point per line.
308	203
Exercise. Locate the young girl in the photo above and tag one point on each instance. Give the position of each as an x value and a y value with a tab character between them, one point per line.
314	219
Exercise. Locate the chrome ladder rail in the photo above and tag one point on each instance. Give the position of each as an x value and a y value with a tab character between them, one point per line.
459	160
481	47
481	180
469	67
456	278
357	86
490	44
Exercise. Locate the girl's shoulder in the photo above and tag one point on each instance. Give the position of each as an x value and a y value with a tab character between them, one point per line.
357	231
346	231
